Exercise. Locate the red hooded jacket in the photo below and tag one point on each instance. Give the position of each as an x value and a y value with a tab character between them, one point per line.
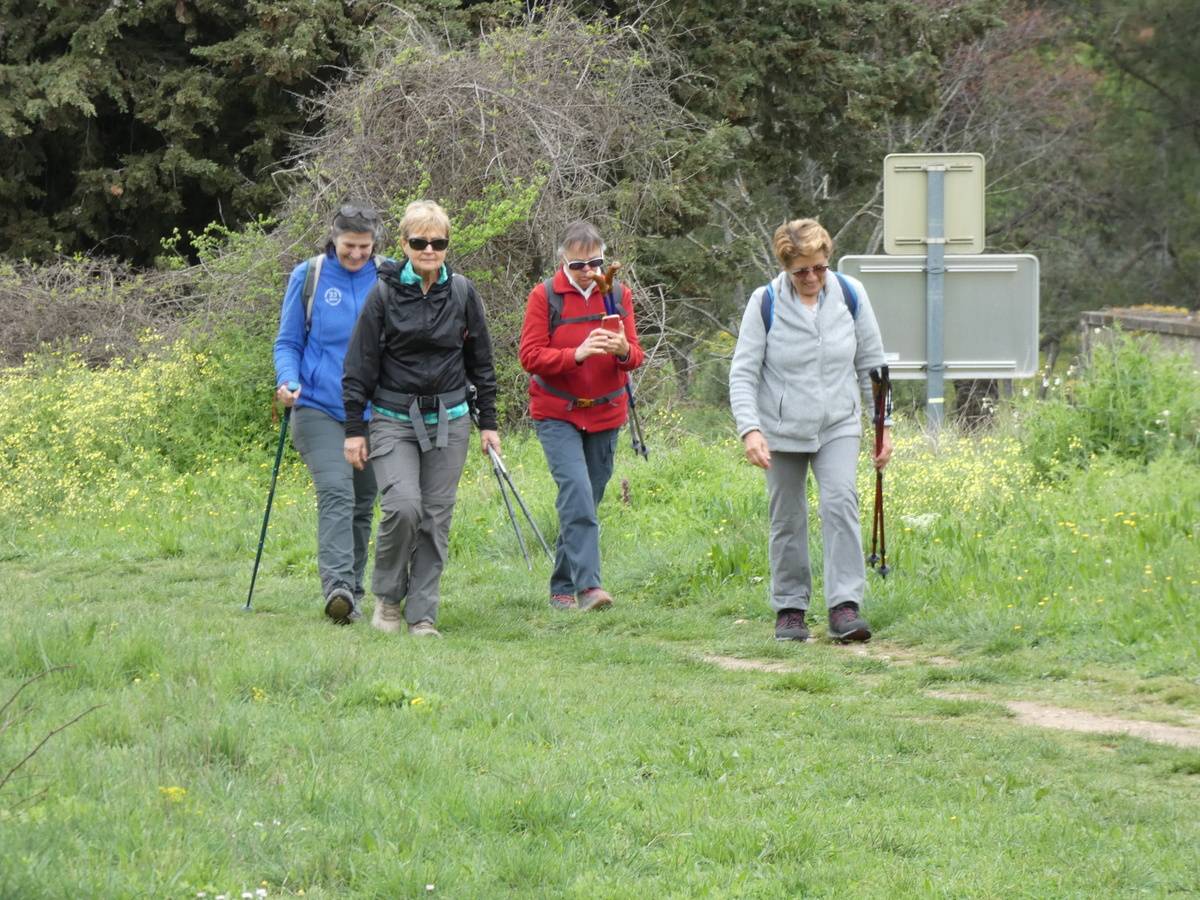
552	358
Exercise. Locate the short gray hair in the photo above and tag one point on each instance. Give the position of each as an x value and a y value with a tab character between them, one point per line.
355	217
580	234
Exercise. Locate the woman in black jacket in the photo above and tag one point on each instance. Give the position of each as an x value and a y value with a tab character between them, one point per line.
419	344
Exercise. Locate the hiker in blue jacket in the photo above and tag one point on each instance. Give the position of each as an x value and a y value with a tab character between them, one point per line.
798	385
320	307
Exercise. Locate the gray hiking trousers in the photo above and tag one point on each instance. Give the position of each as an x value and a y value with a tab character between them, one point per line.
345	500
416	494
834	467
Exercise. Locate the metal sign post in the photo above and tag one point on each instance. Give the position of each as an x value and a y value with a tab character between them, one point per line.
955	227
935	274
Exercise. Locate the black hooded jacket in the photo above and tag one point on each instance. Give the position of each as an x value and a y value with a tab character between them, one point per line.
413	343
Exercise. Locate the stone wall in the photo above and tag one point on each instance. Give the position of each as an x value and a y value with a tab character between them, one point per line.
1175	331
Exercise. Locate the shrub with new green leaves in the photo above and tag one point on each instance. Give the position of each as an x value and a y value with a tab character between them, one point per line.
1131	400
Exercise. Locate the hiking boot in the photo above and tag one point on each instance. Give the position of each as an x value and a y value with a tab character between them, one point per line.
845	624
339	605
387	617
424	628
789	625
595	598
563	601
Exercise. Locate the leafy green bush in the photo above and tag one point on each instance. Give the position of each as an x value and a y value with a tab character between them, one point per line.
1132	401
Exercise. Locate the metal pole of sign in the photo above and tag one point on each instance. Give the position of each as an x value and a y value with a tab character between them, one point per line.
935	292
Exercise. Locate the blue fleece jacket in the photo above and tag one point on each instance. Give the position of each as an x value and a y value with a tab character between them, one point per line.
315	359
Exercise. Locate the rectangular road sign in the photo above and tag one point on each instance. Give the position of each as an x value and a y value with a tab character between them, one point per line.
990	313
906	198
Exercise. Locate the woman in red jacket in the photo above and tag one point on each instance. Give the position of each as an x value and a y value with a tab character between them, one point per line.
578	346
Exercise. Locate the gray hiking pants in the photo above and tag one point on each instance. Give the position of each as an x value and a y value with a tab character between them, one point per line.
581	463
416	494
834	467
345	500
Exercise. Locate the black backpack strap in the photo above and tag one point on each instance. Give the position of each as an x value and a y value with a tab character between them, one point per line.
311	274
554	301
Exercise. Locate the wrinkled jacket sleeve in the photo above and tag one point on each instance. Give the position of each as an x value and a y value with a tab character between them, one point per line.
745	371
360	371
477	359
535	353
868	354
290	341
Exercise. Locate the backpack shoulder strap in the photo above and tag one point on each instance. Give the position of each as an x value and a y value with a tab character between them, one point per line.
311	276
458	289
848	294
767	307
554	301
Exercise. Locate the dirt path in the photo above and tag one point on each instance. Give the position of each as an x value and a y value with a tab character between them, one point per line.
1061	718
1041	715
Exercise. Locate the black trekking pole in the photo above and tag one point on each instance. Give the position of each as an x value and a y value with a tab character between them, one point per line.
262	537
635	425
881	389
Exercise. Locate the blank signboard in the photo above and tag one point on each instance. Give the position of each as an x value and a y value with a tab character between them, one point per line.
990	313
905	207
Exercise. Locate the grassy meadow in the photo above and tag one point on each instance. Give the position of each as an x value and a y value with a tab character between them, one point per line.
668	747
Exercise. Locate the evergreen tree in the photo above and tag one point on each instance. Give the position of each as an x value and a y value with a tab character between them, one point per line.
120	119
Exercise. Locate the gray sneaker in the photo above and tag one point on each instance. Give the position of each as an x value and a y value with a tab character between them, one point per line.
789	625
387	617
339	605
424	628
845	624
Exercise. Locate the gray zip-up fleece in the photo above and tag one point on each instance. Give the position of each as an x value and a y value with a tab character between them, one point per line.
800	384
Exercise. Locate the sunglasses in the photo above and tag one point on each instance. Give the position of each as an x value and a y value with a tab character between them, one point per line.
578	265
349	211
438	244
804	270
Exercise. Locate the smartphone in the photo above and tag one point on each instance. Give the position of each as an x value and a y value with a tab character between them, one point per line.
612	323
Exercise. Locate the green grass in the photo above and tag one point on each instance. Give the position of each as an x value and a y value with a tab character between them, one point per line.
535	753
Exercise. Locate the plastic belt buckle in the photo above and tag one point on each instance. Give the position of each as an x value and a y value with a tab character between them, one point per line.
584	403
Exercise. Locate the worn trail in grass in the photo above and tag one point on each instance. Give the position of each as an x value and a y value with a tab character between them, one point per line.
608	755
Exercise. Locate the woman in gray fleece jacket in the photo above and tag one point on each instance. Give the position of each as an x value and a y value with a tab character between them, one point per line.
795	384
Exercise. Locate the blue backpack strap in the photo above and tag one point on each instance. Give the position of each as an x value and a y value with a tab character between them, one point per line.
767	307
848	294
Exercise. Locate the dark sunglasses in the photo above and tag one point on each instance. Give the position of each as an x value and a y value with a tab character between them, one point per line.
438	244
349	211
804	270
578	265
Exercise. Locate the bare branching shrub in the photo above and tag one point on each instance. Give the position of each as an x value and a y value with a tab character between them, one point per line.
96	307
531	128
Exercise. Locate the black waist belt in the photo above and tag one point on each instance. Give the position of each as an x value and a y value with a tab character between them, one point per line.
416	404
578	402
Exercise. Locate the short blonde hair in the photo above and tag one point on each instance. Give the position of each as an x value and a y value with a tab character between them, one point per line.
801	237
421	215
